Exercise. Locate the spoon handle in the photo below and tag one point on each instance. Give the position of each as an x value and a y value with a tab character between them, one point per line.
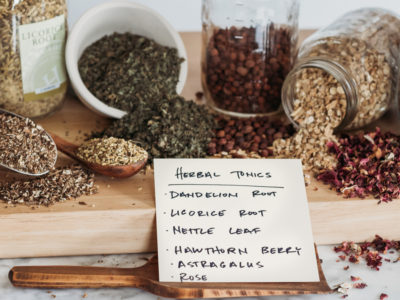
52	277
64	146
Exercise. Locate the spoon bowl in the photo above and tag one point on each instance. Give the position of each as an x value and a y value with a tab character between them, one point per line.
110	171
3	111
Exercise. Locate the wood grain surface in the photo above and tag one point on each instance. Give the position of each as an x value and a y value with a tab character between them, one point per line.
121	218
146	278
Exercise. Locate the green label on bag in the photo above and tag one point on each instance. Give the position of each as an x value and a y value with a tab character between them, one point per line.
41	48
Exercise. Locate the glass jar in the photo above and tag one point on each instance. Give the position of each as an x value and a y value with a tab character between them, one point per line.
33	80
361	51
248	49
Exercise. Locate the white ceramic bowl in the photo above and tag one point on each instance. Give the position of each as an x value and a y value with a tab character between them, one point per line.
117	16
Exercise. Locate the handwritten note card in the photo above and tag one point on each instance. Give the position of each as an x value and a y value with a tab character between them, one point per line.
223	220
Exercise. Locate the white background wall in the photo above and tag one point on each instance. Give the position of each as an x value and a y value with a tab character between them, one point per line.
185	14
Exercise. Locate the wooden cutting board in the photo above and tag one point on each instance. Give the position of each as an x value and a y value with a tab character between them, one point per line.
121	218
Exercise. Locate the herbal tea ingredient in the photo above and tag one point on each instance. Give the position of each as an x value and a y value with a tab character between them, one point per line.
111	152
167	128
25	146
123	70
246	74
367	164
59	185
253	135
12	14
373	254
319	108
370	69
370	252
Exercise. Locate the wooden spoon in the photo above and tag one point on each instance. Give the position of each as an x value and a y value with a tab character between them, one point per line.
111	171
146	278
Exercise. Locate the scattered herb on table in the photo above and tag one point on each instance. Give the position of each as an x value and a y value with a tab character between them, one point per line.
370	252
167	128
59	185
111	152
25	146
367	164
124	70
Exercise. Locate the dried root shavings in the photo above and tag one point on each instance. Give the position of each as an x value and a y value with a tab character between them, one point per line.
59	185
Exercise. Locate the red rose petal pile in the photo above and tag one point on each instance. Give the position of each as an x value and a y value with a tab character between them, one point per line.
367	164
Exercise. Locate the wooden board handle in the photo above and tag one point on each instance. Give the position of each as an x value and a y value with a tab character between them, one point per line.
51	277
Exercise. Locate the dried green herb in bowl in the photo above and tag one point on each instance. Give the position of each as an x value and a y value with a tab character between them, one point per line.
123	70
111	152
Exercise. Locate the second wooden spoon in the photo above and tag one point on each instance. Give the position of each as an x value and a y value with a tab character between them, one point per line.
111	171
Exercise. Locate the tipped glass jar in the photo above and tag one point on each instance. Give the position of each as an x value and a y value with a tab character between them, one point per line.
248	49
354	62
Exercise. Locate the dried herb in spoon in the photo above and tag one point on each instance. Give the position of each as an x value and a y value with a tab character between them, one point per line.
25	146
111	152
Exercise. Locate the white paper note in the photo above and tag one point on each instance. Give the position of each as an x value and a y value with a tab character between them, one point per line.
233	220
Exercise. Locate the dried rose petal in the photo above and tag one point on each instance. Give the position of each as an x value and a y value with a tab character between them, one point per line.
367	165
360	285
383	296
374	260
354	278
368	252
354	259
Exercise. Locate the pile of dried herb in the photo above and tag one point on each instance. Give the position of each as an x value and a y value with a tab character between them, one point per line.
370	252
111	152
124	70
170	127
59	185
367	164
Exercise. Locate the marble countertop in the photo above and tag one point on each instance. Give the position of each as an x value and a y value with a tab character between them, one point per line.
384	281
